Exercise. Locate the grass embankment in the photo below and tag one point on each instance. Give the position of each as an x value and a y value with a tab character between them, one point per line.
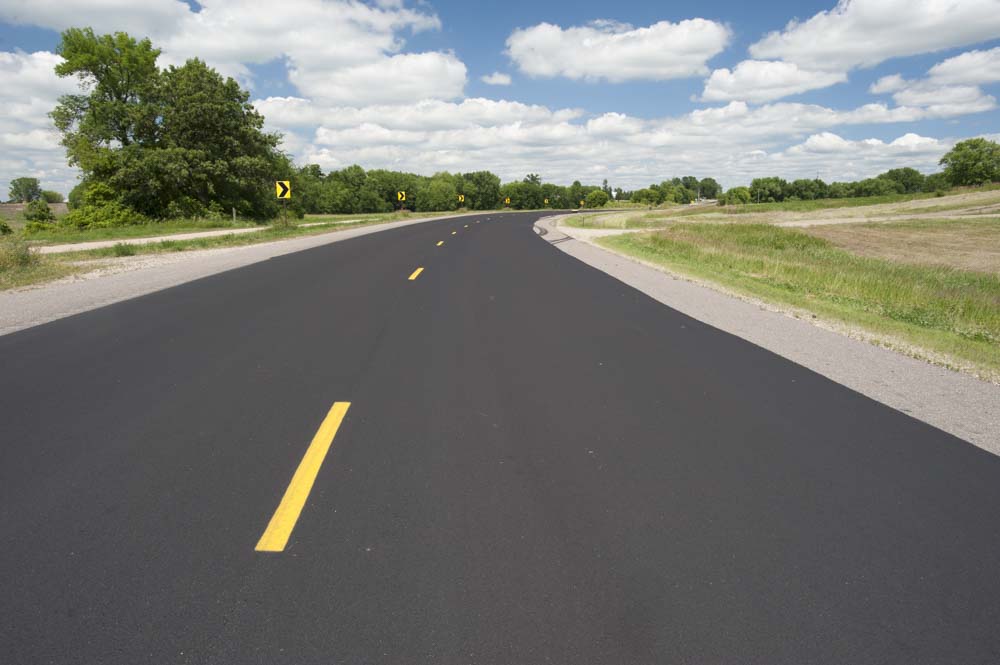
59	234
940	313
19	266
37	268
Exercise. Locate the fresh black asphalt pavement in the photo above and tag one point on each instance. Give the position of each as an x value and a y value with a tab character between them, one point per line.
539	465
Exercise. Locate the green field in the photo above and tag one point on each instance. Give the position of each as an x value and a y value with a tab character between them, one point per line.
937	312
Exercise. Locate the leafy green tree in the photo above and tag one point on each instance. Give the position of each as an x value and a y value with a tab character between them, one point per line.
119	82
689	182
533	179
486	194
768	190
181	142
597	198
646	196
440	194
24	190
912	180
50	196
710	188
972	162
38	211
936	182
736	196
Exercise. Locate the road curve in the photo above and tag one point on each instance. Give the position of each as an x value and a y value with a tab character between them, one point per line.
538	464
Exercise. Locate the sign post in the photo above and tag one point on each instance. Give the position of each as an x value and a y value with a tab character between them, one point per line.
401	197
283	190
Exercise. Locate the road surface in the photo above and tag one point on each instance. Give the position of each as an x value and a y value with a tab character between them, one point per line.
538	464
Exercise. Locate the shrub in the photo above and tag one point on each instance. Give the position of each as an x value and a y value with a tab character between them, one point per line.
123	249
596	199
16	253
39	212
110	214
5	229
52	197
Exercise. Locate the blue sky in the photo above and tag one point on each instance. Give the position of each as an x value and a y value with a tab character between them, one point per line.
630	91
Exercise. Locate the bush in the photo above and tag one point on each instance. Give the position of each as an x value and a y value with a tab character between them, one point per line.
107	215
597	199
52	197
123	249
39	212
15	253
5	229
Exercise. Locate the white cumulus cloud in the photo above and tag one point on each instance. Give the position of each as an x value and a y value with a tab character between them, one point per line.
616	51
765	80
969	68
863	33
496	78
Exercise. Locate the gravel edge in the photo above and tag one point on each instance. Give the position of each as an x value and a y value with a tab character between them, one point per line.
951	401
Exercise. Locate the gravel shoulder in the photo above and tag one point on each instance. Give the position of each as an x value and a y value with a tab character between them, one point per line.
116	279
954	402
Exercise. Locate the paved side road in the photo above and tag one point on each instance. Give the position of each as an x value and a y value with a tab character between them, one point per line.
539	464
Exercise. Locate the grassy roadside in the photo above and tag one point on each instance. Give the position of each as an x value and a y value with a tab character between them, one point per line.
46	267
938	313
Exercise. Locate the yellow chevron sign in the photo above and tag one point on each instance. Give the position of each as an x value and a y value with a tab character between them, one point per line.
283	189
400	196
461	198
507	201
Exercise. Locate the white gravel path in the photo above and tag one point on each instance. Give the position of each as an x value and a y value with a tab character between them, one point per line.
954	402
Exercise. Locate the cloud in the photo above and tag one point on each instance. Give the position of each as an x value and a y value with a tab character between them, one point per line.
407	76
950	87
863	33
496	78
765	80
969	68
616	51
29	143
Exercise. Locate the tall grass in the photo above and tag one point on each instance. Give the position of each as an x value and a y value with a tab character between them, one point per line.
945	310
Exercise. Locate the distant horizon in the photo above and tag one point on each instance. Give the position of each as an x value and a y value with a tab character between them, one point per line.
732	92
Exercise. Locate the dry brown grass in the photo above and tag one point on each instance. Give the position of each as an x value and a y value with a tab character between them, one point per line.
970	244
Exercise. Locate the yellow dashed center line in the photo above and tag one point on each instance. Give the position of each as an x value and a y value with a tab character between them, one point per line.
440	242
454	233
466	226
416	273
279	529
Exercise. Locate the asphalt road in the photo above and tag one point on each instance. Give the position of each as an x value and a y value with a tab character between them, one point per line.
538	465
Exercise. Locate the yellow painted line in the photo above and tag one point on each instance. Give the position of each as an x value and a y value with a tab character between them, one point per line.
283	521
440	242
454	233
416	273
466	226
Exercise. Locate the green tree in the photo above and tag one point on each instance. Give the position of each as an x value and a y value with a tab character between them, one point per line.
50	196
768	190
38	211
936	182
119	81
972	162
710	188
912	180
533	178
439	194
736	196
24	190
486	194
181	142
597	198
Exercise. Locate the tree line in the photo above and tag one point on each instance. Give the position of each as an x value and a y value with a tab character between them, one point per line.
184	141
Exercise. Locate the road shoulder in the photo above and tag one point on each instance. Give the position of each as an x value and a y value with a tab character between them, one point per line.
117	279
956	403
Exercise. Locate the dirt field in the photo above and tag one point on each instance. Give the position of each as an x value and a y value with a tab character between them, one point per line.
966	244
